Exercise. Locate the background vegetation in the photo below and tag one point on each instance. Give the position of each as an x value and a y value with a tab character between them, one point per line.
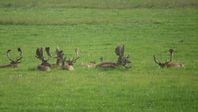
146	27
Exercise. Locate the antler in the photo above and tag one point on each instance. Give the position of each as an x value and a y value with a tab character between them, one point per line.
40	55
77	51
20	55
155	60
47	49
122	60
59	53
73	60
119	50
8	55
171	54
77	55
17	60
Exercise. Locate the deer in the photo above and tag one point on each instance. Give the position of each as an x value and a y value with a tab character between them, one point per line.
45	65
59	58
169	63
67	64
121	61
13	62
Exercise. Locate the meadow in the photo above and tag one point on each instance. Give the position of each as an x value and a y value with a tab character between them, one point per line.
96	27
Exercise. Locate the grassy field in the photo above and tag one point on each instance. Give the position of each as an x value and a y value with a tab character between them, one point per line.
97	27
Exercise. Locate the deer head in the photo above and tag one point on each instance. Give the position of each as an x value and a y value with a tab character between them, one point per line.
124	61
161	64
67	64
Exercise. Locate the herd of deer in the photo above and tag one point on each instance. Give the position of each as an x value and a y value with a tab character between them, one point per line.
66	63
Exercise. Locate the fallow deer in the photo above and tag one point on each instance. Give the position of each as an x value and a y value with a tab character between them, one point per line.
44	66
13	62
67	64
59	58
169	63
121	61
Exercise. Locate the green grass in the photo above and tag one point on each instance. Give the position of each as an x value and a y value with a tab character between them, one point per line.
98	4
97	28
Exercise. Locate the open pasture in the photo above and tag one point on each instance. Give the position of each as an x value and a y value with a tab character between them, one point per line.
96	27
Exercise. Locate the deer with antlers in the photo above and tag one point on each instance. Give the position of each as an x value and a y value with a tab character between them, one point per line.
121	61
44	66
67	64
59	58
169	63
13	62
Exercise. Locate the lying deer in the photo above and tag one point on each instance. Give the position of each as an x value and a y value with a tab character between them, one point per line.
13	62
59	58
169	63
67	64
44	66
122	60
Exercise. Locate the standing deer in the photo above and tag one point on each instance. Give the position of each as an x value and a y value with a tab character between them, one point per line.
121	61
13	62
169	63
67	64
44	66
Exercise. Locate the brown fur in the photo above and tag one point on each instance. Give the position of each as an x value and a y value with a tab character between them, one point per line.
170	63
43	68
68	67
